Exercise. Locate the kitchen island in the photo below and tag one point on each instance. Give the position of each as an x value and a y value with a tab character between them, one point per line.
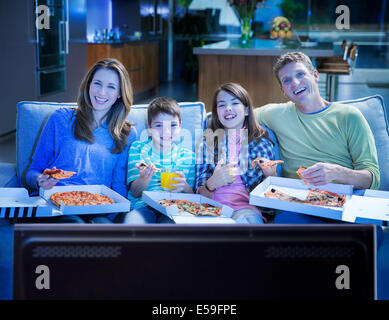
250	65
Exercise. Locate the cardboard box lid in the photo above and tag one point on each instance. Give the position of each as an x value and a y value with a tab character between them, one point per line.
16	203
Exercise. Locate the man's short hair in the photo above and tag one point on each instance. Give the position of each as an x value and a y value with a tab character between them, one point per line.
290	57
163	105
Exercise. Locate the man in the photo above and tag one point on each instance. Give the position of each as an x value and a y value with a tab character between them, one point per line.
332	140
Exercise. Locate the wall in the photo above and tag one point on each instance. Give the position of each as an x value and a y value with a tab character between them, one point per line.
126	13
99	16
18	59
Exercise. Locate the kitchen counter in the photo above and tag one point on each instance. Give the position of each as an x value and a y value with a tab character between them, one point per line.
249	65
262	47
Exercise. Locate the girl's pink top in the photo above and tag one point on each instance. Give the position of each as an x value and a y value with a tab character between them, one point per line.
234	195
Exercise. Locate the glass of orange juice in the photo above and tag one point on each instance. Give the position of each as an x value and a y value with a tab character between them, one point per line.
233	171
166	182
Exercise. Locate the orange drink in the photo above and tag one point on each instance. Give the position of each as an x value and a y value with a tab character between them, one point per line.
166	181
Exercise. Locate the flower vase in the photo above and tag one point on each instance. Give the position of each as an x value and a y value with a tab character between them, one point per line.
245	29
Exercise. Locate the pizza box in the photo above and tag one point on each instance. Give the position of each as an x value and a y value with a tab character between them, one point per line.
299	189
16	203
372	207
121	204
152	198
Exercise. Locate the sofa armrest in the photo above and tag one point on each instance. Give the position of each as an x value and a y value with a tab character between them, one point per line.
8	176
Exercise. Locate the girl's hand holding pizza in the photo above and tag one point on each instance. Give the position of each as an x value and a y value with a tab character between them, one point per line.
269	167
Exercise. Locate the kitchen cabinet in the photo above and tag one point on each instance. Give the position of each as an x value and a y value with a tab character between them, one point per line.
139	57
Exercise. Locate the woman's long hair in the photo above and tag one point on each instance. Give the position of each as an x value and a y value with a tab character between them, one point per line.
118	127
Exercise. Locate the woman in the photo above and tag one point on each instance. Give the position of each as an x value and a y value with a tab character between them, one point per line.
92	140
225	172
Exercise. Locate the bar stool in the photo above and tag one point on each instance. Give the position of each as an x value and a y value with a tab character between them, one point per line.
335	67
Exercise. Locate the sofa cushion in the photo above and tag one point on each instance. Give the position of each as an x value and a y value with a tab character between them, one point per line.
376	114
192	117
32	116
30	120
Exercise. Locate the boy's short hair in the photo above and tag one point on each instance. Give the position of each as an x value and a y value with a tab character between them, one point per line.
163	105
290	57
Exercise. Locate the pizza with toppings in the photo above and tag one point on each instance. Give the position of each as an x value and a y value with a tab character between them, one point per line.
58	173
325	198
315	197
197	209
79	198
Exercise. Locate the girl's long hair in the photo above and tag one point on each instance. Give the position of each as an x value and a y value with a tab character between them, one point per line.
214	137
118	127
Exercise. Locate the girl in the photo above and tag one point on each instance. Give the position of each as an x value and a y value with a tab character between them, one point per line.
92	140
239	140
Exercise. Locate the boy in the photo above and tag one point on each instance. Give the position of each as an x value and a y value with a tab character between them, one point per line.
148	158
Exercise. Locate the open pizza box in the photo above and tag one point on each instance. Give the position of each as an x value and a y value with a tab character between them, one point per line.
16	203
298	189
120	204
373	206
152	197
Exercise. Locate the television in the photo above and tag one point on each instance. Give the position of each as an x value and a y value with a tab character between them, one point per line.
194	262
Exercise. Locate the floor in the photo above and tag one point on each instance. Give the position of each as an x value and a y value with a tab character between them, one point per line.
348	88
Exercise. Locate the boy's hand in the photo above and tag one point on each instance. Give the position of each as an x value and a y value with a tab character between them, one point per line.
181	185
145	173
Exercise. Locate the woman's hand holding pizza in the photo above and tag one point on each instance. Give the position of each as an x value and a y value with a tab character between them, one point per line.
45	181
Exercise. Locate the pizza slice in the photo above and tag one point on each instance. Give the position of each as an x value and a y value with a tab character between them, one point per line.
279	195
315	197
191	207
299	171
144	165
58	173
209	210
325	198
264	163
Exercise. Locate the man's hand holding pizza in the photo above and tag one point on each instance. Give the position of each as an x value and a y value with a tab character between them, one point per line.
322	173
